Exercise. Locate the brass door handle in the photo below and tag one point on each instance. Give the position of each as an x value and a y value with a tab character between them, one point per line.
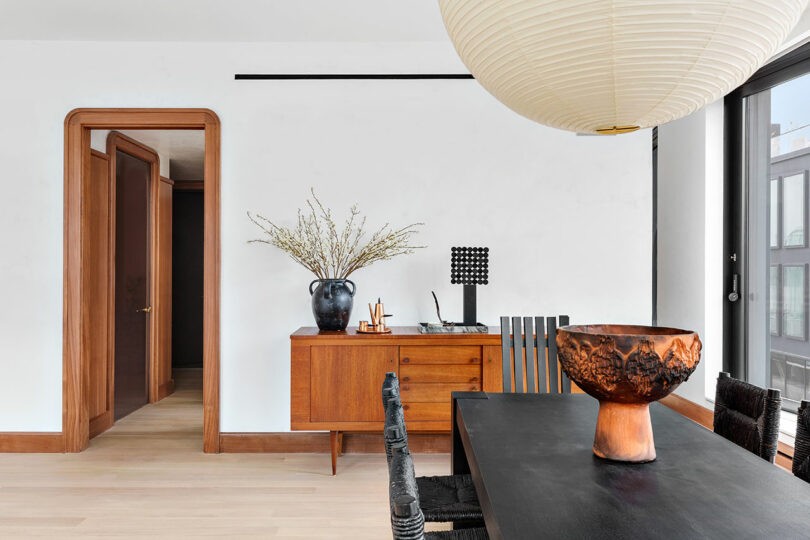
147	309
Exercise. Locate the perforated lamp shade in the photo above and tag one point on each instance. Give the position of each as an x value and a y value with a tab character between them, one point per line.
610	66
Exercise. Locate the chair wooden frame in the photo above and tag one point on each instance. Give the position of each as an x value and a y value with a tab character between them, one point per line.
78	124
521	349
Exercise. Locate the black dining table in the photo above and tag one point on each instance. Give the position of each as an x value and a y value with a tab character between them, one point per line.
531	460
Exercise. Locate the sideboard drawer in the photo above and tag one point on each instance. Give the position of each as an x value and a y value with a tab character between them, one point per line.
436	392
431	354
426	373
428	412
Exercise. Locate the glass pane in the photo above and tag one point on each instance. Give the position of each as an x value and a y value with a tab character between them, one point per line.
807	379
793	301
778	369
777	254
774	213
790	117
774	301
795	379
793	210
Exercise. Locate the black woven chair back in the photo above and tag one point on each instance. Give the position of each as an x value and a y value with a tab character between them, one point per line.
394	414
529	350
390	388
394	431
801	449
407	520
747	415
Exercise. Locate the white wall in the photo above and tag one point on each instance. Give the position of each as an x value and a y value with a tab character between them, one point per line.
567	218
690	238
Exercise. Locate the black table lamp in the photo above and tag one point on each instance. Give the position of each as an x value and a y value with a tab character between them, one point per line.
469	266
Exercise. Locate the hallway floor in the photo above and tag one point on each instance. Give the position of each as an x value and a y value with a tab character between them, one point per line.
148	477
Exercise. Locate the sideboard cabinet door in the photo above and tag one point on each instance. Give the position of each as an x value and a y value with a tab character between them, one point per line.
346	382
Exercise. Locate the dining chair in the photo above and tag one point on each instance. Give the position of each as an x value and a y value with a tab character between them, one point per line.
801	449
443	498
747	415
394	431
534	346
390	388
407	516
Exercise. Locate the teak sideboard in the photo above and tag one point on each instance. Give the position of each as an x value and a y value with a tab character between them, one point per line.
336	377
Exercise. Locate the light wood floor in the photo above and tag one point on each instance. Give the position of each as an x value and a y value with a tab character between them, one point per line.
148	477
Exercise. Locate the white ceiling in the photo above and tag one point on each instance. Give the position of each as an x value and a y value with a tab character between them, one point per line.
185	149
235	20
232	20
222	20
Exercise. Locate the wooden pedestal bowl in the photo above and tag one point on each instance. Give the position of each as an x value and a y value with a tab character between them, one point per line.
626	368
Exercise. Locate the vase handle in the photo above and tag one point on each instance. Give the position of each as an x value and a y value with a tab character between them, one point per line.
354	287
314	281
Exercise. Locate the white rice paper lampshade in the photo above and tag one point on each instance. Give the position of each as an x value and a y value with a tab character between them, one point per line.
610	66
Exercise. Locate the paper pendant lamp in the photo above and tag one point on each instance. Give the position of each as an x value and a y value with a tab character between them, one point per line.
612	66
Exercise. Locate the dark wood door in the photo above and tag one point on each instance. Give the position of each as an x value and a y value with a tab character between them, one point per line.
132	260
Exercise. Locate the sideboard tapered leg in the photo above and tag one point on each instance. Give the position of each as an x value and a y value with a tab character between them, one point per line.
333	440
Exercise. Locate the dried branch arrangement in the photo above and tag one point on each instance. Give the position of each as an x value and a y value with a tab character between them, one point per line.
316	244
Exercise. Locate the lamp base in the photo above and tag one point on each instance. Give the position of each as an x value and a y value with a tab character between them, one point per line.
624	432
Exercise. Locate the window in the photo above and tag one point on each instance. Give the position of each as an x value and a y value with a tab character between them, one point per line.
773	205
768	159
793	305
774	322
793	201
795	380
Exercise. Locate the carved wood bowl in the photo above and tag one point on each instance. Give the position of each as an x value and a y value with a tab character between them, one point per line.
626	368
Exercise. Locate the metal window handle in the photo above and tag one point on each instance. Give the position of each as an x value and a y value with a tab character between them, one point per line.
147	309
734	295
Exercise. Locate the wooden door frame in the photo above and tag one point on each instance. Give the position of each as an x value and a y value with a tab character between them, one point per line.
119	142
159	391
78	123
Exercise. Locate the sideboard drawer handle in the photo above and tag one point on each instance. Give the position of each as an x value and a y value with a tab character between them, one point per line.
474	379
406	379
406	407
474	360
406	360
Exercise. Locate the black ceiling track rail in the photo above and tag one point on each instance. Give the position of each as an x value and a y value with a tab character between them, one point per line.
348	76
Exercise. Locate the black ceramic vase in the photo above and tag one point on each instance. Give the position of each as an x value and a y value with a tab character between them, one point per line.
332	302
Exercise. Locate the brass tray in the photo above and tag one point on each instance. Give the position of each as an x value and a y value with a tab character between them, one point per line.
370	331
